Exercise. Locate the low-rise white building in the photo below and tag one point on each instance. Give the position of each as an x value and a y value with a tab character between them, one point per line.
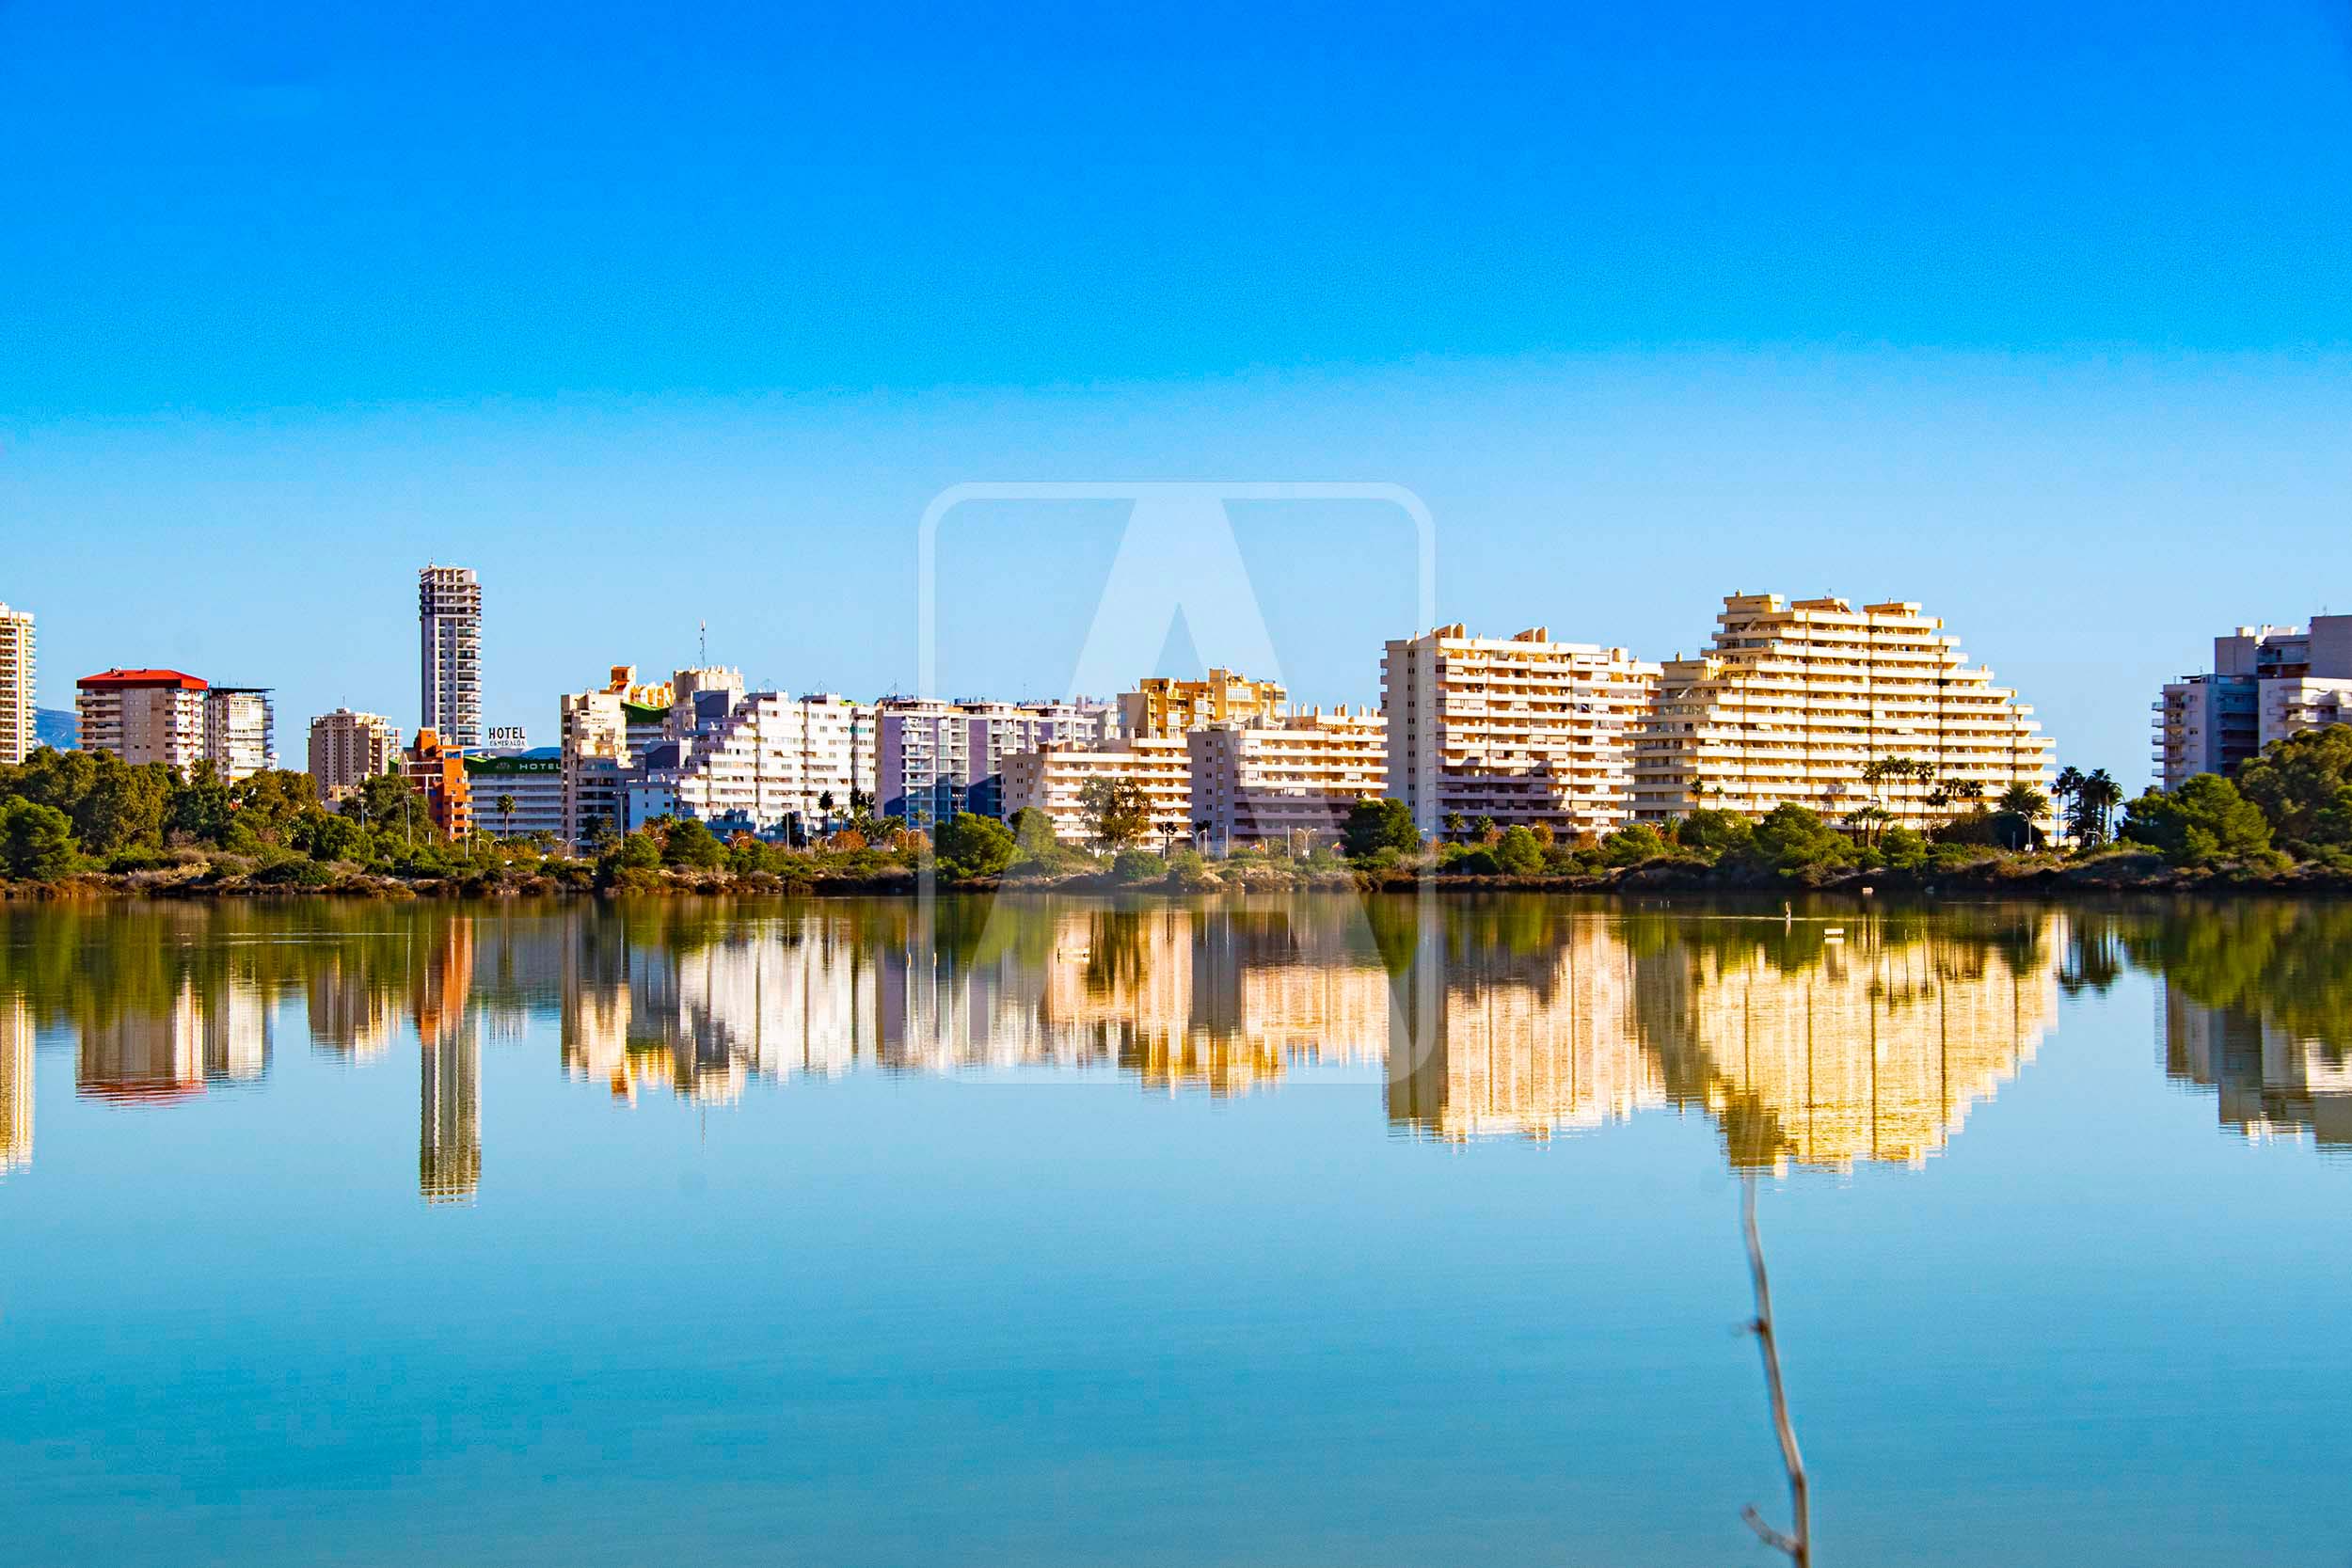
532	779
1053	780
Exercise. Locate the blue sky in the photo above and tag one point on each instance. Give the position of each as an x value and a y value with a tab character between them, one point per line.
2043	320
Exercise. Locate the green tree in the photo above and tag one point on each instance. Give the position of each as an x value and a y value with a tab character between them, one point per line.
970	845
2204	820
1517	852
2304	787
36	841
1792	838
1714	832
1033	831
689	842
1632	845
1373	826
506	814
2023	800
1116	810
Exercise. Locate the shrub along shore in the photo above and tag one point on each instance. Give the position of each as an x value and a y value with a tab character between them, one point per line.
83	824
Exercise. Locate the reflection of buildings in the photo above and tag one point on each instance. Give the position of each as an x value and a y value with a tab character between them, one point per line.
1490	1042
449	1071
219	1033
349	1014
16	1085
2270	1082
1868	1049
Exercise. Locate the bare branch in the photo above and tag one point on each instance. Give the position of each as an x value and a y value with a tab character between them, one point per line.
1797	1543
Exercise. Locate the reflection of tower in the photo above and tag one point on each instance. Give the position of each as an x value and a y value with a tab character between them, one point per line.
236	1033
348	1016
16	1085
449	1072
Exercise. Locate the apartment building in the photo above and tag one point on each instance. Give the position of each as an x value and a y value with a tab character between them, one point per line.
449	635
143	716
935	758
347	747
531	780
1520	730
1259	781
1795	700
1165	708
763	764
1053	780
240	731
438	771
604	735
2266	683
17	672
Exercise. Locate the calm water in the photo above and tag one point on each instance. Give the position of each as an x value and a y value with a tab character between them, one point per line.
1292	1232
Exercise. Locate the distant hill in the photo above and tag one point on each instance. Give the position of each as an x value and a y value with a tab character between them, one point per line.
56	726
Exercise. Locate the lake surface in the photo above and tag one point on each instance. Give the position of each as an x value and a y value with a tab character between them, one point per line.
1289	1232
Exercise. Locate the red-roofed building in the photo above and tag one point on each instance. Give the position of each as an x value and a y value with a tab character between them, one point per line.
143	716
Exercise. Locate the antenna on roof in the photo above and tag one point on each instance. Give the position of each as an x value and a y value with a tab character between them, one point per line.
701	642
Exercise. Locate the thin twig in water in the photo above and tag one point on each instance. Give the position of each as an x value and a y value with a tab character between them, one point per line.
1797	1543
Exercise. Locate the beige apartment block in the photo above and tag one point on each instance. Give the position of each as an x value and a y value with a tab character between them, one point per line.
17	674
1051	779
1163	708
1521	730
347	747
143	716
1262	779
1795	700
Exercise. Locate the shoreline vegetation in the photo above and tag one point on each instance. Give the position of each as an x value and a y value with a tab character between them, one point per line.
80	824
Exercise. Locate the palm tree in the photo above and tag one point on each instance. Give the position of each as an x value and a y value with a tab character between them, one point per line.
2067	784
2101	794
507	815
2023	800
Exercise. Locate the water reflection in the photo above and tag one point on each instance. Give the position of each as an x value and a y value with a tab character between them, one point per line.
1818	1040
2254	1005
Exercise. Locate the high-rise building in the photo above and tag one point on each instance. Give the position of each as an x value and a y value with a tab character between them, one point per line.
1796	701
17	737
1053	780
1163	708
143	716
449	628
240	731
2266	683
1259	781
1520	730
348	748
439	772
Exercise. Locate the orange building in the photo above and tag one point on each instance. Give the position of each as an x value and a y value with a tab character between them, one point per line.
439	772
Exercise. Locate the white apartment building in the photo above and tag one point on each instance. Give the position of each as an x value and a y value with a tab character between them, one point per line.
762	764
604	734
449	635
347	747
142	716
2266	683
1262	779
1795	700
934	759
1053	778
240	731
17	674
1521	730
